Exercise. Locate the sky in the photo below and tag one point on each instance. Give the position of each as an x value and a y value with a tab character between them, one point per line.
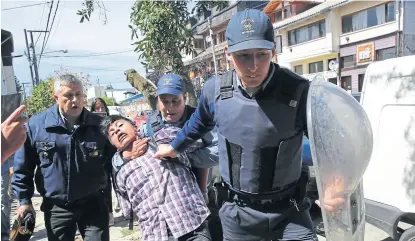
86	38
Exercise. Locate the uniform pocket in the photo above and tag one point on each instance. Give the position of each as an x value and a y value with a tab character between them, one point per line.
46	152
288	166
91	150
289	149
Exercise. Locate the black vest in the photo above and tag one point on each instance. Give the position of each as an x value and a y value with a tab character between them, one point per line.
260	140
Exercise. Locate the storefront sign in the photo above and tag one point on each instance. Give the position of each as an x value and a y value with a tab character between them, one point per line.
365	53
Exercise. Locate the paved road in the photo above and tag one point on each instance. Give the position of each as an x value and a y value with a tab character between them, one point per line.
120	230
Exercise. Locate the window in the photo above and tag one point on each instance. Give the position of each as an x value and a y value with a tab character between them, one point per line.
287	12
315	67
361	77
346	83
198	44
221	37
219	62
214	39
368	18
383	54
333	81
207	43
278	40
278	15
348	61
307	33
298	69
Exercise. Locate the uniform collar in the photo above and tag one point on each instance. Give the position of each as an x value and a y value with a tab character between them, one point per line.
179	122
261	86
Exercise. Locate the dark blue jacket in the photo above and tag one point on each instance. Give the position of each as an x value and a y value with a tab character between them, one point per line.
70	165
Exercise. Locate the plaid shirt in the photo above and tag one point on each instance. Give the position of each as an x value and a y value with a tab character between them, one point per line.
163	194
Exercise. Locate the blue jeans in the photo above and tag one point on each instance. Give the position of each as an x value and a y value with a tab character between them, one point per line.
5	206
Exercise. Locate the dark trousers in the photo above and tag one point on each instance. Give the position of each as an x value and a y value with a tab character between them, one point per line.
279	222
90	215
108	195
200	234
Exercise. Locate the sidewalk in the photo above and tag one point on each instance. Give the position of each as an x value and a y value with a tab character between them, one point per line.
118	232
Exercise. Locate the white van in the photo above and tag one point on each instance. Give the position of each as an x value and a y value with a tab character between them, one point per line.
388	97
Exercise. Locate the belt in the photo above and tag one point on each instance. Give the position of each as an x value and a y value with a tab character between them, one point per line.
80	201
263	198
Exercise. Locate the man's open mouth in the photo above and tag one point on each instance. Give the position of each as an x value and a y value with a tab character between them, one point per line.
122	137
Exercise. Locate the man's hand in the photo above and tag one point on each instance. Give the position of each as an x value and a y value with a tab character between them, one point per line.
139	147
13	133
333	200
22	210
165	150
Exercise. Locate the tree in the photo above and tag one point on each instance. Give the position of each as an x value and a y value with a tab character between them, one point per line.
84	77
144	86
109	101
41	98
206	6
19	87
89	7
166	34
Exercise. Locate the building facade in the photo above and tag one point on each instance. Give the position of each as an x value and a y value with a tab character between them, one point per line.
202	64
8	81
339	39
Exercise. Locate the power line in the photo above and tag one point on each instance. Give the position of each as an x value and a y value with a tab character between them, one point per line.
53	21
50	29
47	25
24	6
79	67
89	55
59	20
40	24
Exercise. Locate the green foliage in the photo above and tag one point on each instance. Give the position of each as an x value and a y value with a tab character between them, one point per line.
165	33
109	101
205	6
41	98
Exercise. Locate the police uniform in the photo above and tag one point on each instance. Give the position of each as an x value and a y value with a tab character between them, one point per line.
260	135
70	174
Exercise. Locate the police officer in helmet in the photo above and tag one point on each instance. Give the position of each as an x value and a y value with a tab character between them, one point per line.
259	109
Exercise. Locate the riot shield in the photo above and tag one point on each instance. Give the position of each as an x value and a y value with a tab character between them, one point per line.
341	144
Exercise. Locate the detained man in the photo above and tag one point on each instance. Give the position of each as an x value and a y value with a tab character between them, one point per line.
163	195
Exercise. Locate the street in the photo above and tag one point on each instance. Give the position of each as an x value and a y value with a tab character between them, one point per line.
120	230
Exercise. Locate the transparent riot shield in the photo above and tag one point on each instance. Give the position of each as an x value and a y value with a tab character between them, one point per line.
341	144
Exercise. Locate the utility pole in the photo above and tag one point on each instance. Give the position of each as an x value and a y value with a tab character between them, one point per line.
24	90
34	61
112	91
28	58
212	45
